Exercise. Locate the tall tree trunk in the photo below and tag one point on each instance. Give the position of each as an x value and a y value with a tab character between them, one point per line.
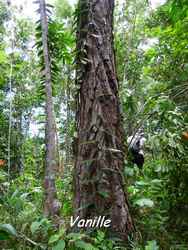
51	204
99	185
68	120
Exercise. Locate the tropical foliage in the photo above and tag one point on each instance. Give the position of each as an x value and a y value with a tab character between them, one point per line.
151	47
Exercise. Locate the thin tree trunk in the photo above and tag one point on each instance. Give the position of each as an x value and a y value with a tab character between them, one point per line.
51	204
99	185
12	45
68	120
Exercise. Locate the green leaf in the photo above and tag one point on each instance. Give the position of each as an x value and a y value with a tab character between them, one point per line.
100	236
3	57
144	202
75	236
129	171
60	245
54	238
83	245
35	226
142	183
3	176
6	230
156	181
152	245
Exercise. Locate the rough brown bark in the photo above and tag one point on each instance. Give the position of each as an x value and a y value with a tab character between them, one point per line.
99	185
51	204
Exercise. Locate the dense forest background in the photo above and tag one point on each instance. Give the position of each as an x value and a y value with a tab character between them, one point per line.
38	109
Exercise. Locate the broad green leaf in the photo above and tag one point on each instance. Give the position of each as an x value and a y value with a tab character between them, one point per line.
54	238
60	245
8	229
141	183
156	181
75	236
83	245
144	202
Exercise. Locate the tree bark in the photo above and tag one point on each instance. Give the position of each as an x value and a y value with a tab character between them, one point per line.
68	120
51	204
98	180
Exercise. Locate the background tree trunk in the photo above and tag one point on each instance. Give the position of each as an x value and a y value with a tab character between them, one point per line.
51	204
68	120
99	185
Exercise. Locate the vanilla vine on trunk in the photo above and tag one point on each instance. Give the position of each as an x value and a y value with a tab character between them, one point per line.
98	178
